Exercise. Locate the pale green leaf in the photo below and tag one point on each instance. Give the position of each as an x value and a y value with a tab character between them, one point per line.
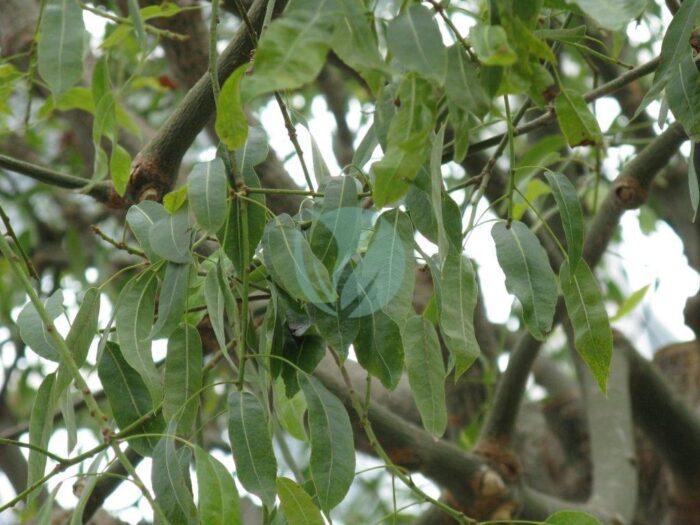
491	45
32	329
571	517
140	218
218	498
379	348
170	238
612	15
170	477
171	300
576	121
683	95
120	168
570	212
231	120
208	190
183	378
630	303
214	300
173	200
462	85
297	505
40	429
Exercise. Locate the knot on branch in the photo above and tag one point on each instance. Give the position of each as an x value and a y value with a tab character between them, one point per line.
629	192
148	180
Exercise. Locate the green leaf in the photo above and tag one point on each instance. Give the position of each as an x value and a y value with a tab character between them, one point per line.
231	120
218	498
337	328
120	168
414	39
457	301
297	505
208	190
173	200
60	48
165	10
183	378
86	490
332	464
462	86
170	238
293	49
571	517
134	319
172	299
140	218
379	348
251	444
170	477
491	45
393	173
693	183
592	335
528	274
290	261
40	429
612	15
630	303
253	152
290	411
137	21
576	121
568	35
570	212
683	95
214	299
32	329
426	373
128	397
305	354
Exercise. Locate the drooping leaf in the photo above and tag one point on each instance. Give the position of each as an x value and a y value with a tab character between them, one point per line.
253	152
32	329
593	338
571	517
119	168
172	299
337	328
170	477
379	348
140	218
462	85
251	444
183	378
60	48
332	463
491	45
170	238
630	303
528	274
86	490
426	373
231	120
218	498
576	121
612	15
40	429
173	200
134	320
414	39
290	411
128	398
393	173
457	301
214	299
683	95
306	355
297	505
693	182
570	212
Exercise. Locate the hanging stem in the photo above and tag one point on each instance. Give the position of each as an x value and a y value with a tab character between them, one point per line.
511	151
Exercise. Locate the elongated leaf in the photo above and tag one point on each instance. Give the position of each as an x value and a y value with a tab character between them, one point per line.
207	190
231	120
170	238
33	331
183	378
337	328
693	182
528	274
457	299
612	15
462	86
140	218
393	173
576	121
290	412
86	490
253	152
172	299
570	212
218	498
630	303
119	168
173	200
379	348
306	355
491	45
60	49
289	259
426	373
128	397
40	429
214	299
593	338
332	449
134	319
297	505
414	39
683	95
251	444
170	477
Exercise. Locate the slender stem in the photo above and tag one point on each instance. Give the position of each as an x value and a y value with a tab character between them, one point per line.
30	446
244	294
11	232
511	166
127	21
117	244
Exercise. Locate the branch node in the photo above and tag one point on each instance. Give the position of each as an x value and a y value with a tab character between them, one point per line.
629	192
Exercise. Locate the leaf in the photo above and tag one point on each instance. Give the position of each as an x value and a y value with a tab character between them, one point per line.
426	373
60	47
172	299
183	378
337	329
457	301
332	464
214	299
462	85
173	200
693	183
137	21
528	274
570	212
491	45
290	261
571	517
576	121
379	348
170	477
231	121
297	505
170	238
120	168
683	95
40	429
134	319
393	173
306	355
290	412
218	498
612	15
630	303
293	49
128	397
321	171
253	152
251	444
86	490
593	338
208	191
32	329
414	39
140	218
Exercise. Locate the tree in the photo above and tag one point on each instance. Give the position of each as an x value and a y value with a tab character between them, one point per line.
170	293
